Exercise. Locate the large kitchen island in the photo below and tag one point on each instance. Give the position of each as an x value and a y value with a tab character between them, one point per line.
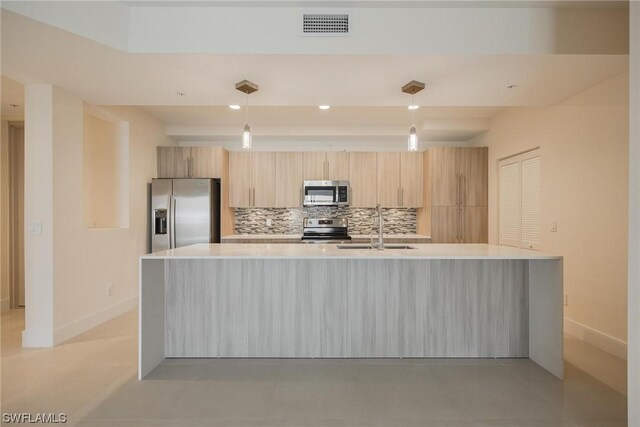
320	301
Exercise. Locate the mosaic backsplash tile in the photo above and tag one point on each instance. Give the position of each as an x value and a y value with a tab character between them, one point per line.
289	220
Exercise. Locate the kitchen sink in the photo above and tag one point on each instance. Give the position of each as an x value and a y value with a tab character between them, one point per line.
365	246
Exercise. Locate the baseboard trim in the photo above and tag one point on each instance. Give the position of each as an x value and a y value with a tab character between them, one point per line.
604	342
5	305
81	325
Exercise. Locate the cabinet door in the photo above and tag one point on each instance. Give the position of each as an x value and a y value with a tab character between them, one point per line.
289	176
473	165
264	179
445	224
315	166
411	179
240	189
474	225
389	179
173	162
337	166
363	178
206	162
444	176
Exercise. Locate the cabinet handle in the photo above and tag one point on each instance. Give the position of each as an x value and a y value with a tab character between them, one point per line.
464	190
326	169
254	196
402	196
457	190
249	203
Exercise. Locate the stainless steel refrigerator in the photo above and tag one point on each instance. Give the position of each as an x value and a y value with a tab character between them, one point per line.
184	212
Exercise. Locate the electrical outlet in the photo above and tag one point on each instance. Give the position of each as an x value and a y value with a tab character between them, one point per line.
269	222
554	226
566	300
109	289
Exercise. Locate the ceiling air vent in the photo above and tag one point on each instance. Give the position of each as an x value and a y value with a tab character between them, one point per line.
325	24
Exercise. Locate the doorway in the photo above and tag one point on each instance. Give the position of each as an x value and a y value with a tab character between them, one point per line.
16	215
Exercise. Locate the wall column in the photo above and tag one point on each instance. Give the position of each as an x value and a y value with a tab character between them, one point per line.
38	208
633	369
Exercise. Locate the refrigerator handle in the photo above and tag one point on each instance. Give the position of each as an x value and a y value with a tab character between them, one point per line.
172	231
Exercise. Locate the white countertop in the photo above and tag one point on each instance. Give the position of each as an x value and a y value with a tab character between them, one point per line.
329	251
298	236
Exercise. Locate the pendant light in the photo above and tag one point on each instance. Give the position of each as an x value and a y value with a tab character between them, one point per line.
412	88
247	88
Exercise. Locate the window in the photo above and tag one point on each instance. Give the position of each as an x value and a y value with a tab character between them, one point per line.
519	199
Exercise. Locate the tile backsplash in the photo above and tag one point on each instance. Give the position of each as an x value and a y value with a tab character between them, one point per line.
289	220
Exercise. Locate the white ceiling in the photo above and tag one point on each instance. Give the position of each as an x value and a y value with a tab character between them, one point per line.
33	52
463	91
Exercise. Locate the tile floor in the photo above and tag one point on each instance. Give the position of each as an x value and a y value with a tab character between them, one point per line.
92	378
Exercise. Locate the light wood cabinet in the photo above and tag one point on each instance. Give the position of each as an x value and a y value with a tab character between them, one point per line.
251	179
190	162
363	179
400	179
457	194
473	165
444	176
314	166
389	179
474	224
411	180
445	224
206	162
330	165
263	168
240	181
173	162
338	165
288	179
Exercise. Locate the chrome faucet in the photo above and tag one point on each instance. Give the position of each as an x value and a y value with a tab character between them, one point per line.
379	244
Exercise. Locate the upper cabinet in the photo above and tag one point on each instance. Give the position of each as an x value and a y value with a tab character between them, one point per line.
400	179
389	179
331	165
173	162
459	176
363	179
252	179
189	162
411	179
288	179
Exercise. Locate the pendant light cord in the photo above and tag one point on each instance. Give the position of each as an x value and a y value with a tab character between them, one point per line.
413	109
246	108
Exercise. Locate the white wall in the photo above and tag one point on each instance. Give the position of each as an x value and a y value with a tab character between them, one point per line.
584	154
80	262
634	225
106	172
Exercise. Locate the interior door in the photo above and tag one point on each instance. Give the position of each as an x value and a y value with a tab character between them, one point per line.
192	211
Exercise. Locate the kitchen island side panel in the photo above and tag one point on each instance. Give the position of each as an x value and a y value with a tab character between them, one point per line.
346	308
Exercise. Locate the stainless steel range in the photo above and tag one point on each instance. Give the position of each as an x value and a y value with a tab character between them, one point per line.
325	230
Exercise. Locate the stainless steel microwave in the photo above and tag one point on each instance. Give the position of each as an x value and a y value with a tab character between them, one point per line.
326	193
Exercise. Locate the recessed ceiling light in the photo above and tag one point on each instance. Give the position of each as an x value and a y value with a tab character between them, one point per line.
413	107
324	107
234	106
